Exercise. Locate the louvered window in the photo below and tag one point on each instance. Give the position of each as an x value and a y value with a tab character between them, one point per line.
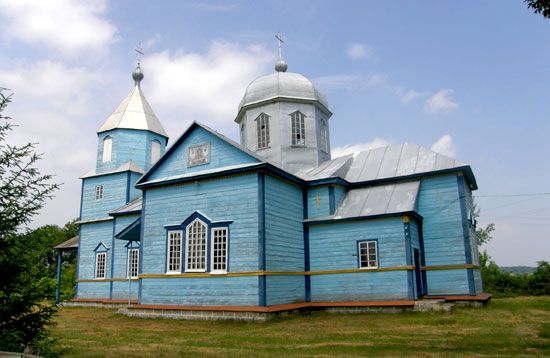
298	128
324	136
262	128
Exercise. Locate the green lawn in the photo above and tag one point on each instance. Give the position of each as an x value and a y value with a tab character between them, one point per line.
505	327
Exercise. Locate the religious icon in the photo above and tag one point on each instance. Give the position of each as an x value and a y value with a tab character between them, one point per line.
198	154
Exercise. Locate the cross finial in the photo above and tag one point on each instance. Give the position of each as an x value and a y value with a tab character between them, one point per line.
281	42
139	51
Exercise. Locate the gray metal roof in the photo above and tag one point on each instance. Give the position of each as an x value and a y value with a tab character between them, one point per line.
395	160
378	200
71	244
134	205
128	166
134	112
282	85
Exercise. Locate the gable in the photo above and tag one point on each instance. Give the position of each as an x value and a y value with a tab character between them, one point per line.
198	150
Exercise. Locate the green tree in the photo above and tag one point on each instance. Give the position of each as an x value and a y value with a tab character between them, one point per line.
26	302
539	7
483	234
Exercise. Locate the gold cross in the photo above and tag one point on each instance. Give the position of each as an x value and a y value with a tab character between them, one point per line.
318	201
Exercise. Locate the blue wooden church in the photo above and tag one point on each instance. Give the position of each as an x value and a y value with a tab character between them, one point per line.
273	222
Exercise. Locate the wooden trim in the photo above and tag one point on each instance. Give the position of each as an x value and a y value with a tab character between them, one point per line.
100	300
451	298
108	280
449	267
276	273
278	308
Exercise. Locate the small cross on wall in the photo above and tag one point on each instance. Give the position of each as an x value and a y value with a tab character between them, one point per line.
318	201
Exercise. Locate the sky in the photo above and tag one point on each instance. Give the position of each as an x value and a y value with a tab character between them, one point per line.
469	79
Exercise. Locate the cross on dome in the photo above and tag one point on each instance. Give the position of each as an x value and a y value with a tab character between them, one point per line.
281	65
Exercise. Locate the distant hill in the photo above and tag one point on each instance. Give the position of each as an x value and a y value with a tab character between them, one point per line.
518	270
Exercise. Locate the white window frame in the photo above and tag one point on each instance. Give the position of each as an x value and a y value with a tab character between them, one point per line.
155	151
132	264
324	135
99	192
107	149
189	248
368	244
298	128
225	250
97	265
262	134
169	251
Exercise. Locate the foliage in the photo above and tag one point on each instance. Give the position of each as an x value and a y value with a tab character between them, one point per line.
483	235
539	7
26	305
504	328
507	284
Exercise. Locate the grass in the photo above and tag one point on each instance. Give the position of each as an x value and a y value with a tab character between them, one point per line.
506	327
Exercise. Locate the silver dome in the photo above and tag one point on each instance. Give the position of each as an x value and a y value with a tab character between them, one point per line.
282	85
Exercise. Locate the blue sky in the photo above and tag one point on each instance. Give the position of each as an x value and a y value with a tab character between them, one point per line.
470	79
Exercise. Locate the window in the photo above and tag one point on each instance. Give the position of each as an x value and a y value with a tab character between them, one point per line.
243	135
155	151
262	125
368	254
107	149
100	259
219	249
133	263
324	136
99	192
196	247
174	251
298	128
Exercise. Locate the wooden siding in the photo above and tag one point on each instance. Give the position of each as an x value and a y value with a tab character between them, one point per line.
439	204
90	236
222	154
314	211
415	244
284	240
128	144
226	291
114	195
120	261
226	199
334	246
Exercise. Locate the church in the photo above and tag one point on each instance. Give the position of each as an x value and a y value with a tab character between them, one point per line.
272	223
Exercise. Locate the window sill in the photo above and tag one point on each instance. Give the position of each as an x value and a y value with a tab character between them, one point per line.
298	146
264	148
368	268
218	272
173	272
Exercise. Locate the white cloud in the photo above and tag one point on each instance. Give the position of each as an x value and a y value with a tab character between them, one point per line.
358	51
69	26
445	146
359	147
442	101
202	86
412	94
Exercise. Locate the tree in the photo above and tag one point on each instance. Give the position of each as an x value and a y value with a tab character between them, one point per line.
539	7
483	234
26	302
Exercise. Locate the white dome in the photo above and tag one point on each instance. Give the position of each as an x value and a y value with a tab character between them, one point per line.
282	85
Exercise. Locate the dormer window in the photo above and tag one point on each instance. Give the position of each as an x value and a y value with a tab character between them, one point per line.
107	149
324	136
262	125
155	151
298	128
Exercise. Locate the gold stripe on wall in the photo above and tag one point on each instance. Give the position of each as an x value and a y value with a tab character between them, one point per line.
449	267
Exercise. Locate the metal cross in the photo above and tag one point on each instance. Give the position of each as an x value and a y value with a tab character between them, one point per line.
139	50
318	201
281	42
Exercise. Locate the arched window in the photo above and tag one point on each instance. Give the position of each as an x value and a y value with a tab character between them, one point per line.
196	247
107	149
298	128
155	151
262	125
324	136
